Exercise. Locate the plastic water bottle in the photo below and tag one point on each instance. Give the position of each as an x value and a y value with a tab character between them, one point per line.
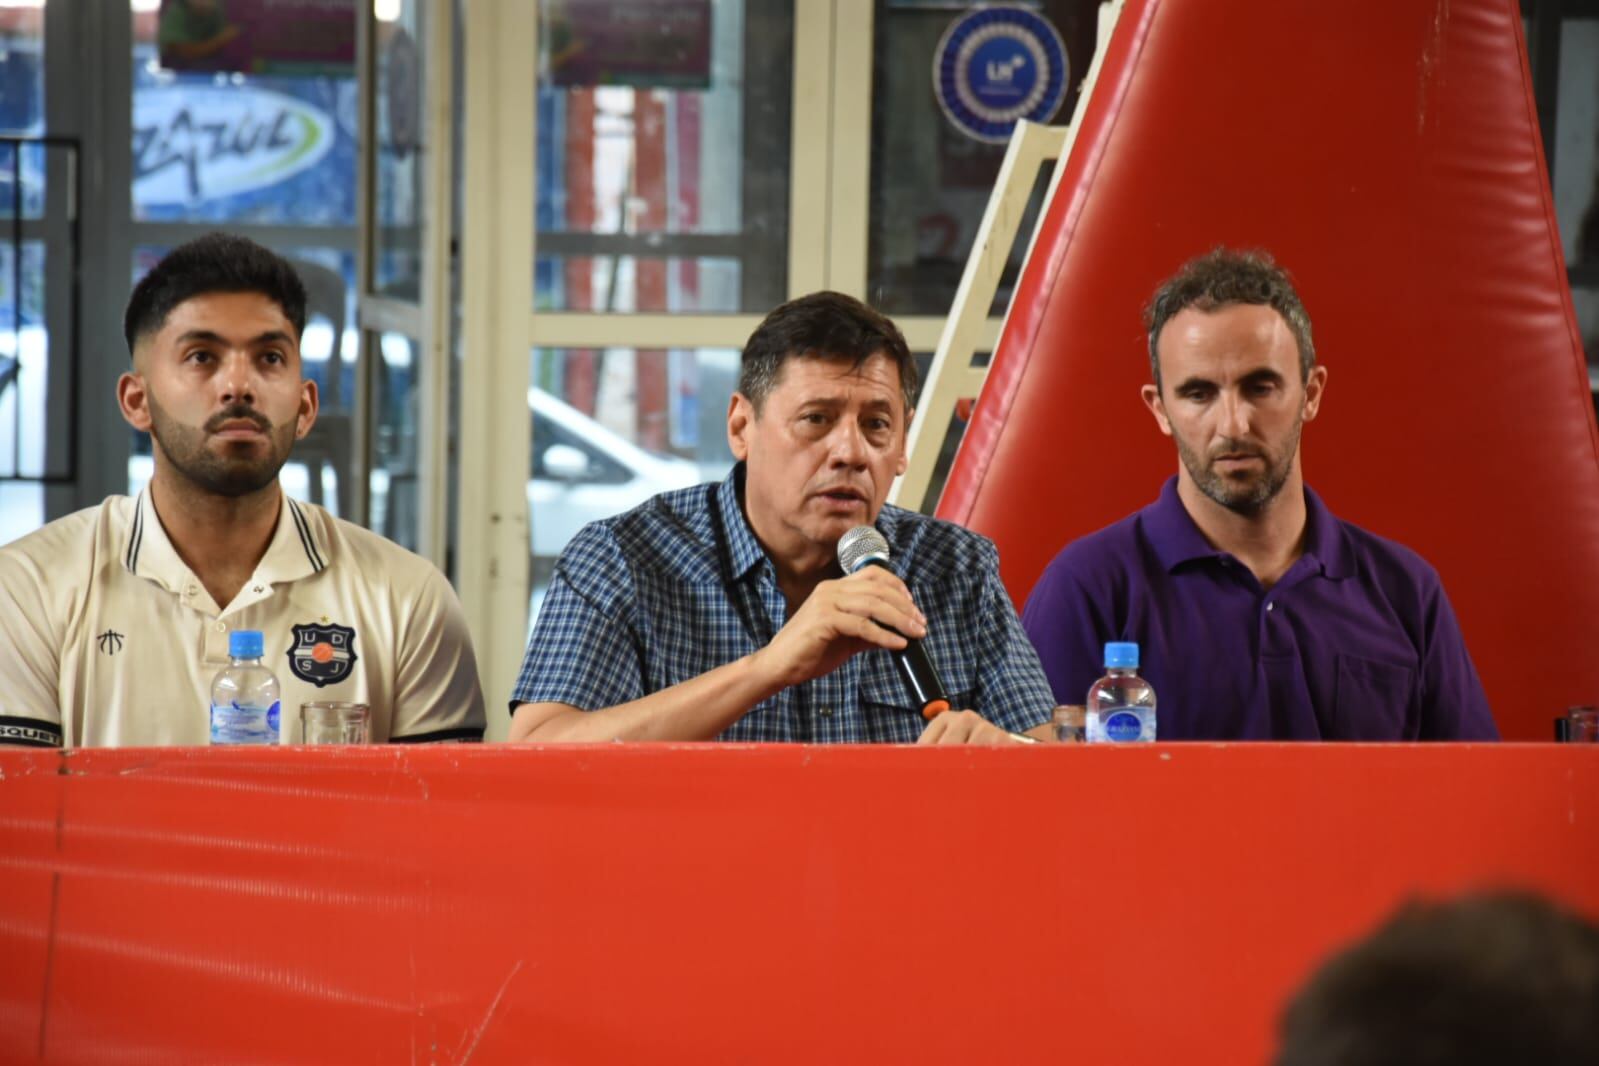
245	704
1121	705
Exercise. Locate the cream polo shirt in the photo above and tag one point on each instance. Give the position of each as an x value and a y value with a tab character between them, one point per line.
107	638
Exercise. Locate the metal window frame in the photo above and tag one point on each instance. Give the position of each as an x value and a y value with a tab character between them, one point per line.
426	321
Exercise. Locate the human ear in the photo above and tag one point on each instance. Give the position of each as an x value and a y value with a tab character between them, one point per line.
1152	400
133	400
904	442
310	403
1315	388
740	417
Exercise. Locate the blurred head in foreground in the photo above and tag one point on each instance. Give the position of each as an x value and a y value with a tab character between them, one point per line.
1489	979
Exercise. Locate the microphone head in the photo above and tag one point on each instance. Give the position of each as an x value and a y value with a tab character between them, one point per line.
860	546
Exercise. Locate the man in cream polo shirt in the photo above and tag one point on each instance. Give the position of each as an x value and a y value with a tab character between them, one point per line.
114	620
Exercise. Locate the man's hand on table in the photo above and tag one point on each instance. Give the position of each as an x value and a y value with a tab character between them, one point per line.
966	727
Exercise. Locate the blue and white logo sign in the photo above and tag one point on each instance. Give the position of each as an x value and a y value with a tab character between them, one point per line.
997	65
192	144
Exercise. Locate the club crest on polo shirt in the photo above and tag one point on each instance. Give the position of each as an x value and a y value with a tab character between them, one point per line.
322	654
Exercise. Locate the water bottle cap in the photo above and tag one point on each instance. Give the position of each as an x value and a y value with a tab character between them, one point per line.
1121	655
245	644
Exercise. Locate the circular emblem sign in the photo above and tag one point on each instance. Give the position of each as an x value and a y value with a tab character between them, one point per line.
997	65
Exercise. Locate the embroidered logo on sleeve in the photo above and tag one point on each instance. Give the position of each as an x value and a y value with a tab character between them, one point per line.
322	654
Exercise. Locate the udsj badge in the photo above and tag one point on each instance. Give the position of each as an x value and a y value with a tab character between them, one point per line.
996	65
322	654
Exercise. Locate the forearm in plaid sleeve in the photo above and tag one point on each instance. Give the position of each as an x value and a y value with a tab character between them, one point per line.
583	651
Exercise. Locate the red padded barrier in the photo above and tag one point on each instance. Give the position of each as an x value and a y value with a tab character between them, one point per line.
1151	904
1388	155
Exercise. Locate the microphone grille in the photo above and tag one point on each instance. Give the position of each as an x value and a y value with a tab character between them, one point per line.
859	546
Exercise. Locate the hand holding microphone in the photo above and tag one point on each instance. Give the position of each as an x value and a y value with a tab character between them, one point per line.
841	618
863	550
871	608
864	547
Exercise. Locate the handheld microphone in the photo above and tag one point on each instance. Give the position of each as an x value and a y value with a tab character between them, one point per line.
865	546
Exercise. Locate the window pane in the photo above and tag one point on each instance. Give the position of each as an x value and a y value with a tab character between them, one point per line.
24	363
21	109
1576	176
399	96
223	147
623	282
1585	301
663	134
21	509
22	177
613	427
393	478
22	70
930	182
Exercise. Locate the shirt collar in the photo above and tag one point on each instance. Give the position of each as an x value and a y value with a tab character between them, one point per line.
744	551
1176	539
1172	532
297	549
1325	540
146	551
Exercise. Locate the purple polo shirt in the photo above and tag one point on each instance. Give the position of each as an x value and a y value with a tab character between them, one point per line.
1356	642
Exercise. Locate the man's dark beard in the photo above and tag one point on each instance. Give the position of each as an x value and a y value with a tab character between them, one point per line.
1253	498
185	447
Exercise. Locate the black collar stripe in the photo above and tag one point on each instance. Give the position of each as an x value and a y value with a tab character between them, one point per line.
135	537
305	538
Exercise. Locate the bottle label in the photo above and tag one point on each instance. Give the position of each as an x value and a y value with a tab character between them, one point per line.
235	724
1122	726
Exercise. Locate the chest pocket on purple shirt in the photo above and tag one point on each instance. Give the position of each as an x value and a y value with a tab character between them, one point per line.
1373	700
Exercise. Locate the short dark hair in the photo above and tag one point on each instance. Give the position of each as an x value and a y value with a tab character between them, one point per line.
217	262
823	325
1224	277
1484	980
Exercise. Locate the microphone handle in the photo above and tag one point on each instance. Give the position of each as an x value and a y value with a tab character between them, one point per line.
921	678
916	667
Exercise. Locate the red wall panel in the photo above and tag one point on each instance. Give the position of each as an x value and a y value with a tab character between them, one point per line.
699	903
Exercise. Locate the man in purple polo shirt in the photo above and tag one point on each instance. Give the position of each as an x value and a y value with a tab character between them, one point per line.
1259	614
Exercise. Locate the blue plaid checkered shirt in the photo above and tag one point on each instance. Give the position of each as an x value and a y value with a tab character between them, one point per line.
679	586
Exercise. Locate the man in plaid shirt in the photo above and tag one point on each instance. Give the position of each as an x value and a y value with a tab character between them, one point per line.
720	611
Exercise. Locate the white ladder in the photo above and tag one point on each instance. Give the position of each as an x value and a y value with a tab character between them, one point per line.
952	377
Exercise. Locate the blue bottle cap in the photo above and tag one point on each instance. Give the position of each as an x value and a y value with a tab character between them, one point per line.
245	644
1121	655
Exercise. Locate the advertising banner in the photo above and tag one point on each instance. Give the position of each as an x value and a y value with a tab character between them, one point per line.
258	36
643	44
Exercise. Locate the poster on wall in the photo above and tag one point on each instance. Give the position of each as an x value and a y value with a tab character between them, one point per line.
258	36
643	44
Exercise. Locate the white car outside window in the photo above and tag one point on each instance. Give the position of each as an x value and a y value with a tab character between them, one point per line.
583	471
